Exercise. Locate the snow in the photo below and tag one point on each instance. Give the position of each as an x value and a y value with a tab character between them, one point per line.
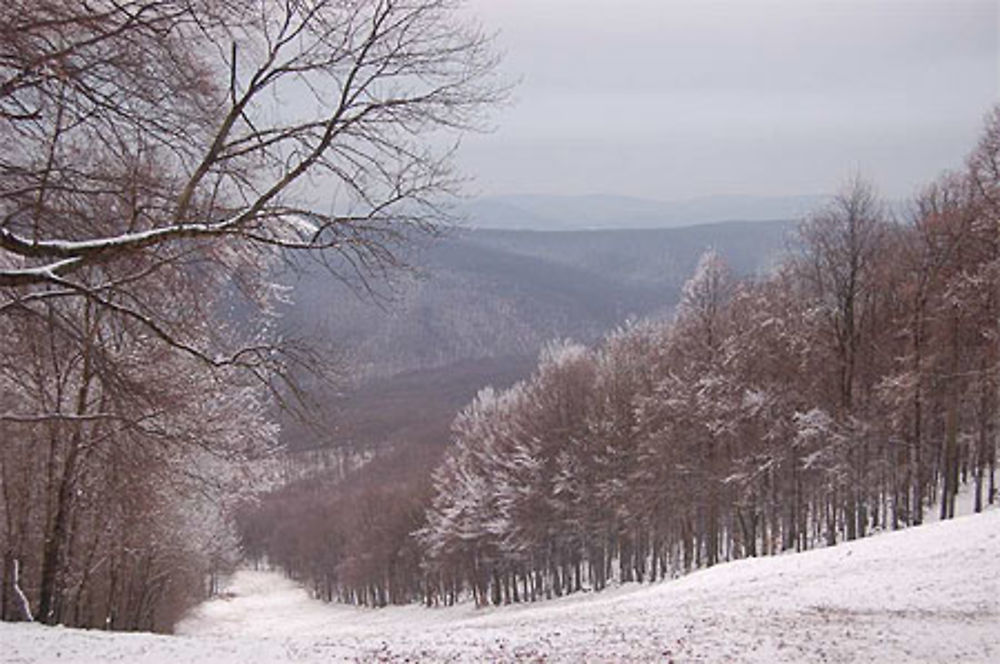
927	594
72	248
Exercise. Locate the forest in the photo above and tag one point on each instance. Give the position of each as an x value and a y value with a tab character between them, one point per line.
168	168
847	392
166	164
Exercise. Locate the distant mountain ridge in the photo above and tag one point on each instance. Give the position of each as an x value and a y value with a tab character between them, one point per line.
592	212
483	304
489	293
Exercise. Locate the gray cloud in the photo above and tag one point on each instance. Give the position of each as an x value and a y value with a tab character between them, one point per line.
674	99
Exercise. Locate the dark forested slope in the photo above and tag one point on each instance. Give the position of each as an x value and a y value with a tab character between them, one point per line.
483	302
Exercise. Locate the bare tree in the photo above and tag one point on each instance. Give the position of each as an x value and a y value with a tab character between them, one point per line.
840	245
161	158
201	138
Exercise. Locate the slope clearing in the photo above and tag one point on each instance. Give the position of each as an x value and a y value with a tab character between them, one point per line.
928	594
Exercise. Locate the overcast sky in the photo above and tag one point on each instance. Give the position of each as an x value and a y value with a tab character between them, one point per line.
672	99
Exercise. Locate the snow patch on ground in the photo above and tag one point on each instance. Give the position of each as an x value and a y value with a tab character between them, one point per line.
927	594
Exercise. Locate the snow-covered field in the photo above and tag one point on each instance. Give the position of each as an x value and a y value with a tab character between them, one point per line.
929	594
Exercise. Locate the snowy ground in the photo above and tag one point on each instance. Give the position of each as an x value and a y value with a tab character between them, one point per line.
929	594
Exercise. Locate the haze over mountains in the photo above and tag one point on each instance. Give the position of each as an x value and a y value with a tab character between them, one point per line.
550	212
484	301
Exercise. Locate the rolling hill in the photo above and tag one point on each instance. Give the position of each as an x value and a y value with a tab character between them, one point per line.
561	213
482	303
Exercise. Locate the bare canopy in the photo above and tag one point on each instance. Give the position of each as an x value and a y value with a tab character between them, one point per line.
143	134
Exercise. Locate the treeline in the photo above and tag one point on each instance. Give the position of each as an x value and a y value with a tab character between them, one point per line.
847	392
346	535
151	205
844	394
119	458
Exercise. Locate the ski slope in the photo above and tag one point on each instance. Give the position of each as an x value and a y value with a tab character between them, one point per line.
928	594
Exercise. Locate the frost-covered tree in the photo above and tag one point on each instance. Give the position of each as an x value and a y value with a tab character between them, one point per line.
92	499
840	248
173	141
835	396
508	497
842	393
162	159
839	266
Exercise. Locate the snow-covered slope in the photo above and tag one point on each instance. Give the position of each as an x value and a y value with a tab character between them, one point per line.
929	594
